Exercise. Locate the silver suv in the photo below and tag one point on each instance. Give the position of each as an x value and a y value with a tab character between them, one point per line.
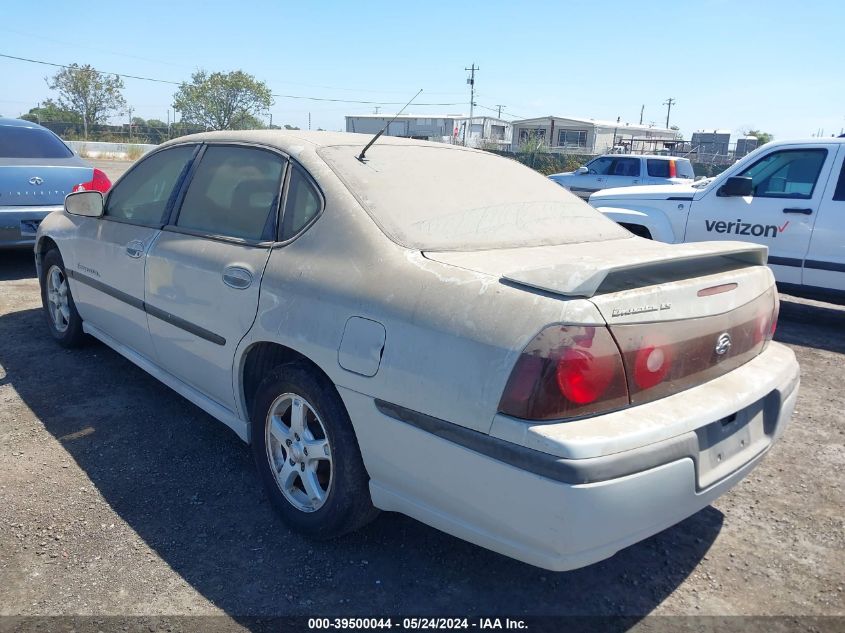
624	170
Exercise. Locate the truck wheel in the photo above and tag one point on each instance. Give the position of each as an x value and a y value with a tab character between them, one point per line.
63	320
307	454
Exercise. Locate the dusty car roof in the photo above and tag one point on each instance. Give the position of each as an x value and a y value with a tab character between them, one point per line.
286	139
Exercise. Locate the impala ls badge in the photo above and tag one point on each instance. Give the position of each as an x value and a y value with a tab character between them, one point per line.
723	344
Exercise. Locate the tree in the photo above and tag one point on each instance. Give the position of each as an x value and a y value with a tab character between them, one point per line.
50	111
223	101
93	95
762	137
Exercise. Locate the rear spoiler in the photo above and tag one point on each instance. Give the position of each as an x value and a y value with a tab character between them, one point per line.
648	263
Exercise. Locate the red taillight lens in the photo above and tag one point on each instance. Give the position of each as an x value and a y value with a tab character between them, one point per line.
566	371
100	182
673	169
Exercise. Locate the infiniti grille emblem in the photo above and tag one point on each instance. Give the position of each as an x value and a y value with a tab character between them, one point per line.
723	344
36	180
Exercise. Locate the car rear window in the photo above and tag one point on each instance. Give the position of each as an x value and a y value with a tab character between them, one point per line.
438	197
662	168
27	142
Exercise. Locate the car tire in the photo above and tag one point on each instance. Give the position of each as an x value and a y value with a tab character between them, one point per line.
294	477
60	312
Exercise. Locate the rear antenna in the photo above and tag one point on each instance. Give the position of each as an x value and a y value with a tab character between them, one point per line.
375	138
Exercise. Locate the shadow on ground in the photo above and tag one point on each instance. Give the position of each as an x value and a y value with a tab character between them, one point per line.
187	486
17	263
827	321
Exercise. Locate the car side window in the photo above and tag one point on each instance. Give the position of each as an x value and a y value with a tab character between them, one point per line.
839	194
142	195
599	166
302	204
657	168
786	174
626	167
234	192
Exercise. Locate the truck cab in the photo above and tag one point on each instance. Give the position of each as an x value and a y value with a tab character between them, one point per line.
788	195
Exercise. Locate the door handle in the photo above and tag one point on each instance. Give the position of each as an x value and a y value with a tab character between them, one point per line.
135	249
237	277
801	211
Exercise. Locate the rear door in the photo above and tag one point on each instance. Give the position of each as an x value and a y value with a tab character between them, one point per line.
824	267
109	253
584	184
624	171
204	270
787	188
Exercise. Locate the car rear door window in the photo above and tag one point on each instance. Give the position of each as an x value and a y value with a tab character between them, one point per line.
302	204
658	168
143	194
234	192
27	142
626	167
786	173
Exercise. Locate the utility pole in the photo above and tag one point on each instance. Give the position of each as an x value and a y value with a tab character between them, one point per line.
377	109
668	103
309	120
642	109
471	82
271	120
130	124
500	110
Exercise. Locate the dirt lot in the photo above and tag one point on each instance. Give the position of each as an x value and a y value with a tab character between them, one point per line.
119	497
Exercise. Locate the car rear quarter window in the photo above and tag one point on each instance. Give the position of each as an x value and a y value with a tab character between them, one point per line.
234	192
142	195
27	142
302	204
839	194
669	168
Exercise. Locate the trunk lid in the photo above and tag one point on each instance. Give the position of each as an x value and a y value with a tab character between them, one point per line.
37	184
680	314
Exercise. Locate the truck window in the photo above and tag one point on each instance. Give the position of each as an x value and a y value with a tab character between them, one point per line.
839	194
790	173
669	168
600	166
626	167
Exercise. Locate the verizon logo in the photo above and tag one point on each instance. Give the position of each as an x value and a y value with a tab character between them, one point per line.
744	228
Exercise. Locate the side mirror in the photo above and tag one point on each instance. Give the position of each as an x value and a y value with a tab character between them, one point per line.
85	203
581	170
736	186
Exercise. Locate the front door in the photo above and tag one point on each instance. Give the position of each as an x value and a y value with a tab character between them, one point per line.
204	271
109	257
824	267
779	213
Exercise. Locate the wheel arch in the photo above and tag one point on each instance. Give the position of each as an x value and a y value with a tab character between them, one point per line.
44	244
259	358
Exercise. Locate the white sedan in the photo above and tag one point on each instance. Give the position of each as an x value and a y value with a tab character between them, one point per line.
432	330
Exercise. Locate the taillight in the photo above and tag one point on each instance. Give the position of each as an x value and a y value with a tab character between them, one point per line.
566	371
652	363
673	169
775	315
100	182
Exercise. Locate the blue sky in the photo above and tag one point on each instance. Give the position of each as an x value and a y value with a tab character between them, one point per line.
774	65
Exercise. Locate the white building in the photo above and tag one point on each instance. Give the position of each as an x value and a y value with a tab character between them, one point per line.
447	128
592	136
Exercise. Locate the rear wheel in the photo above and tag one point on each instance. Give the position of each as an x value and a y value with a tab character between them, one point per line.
63	320
307	454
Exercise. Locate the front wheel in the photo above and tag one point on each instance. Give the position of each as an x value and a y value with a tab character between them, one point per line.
63	320
307	454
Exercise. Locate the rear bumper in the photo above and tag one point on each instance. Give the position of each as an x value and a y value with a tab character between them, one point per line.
18	225
542	520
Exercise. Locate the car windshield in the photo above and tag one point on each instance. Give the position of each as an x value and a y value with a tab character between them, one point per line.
27	142
432	197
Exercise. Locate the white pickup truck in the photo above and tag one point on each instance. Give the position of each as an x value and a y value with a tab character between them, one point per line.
788	195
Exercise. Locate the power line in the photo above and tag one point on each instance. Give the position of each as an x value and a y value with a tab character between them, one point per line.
177	83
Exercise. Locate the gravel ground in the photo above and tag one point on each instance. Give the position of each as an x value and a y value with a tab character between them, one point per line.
119	497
